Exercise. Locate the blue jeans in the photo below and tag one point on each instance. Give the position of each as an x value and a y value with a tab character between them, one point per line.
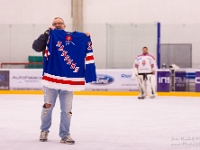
50	96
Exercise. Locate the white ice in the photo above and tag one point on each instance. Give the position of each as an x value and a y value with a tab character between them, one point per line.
104	123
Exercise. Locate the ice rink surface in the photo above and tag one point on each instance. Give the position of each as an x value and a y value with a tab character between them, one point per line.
104	123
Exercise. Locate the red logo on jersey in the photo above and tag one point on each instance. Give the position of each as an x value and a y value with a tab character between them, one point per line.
46	53
68	38
143	62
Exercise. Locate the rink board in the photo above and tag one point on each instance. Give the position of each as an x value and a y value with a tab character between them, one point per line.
105	93
110	82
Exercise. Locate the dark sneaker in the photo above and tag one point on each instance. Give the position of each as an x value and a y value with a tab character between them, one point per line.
141	96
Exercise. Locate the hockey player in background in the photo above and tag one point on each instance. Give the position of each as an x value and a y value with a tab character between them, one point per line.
50	94
144	70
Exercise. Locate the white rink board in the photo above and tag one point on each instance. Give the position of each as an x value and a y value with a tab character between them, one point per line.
25	79
107	80
113	80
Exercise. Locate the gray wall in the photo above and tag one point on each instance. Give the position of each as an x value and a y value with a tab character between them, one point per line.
179	20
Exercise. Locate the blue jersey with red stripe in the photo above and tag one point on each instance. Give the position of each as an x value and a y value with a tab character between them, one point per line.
68	61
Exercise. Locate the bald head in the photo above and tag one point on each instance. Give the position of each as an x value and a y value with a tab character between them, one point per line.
58	23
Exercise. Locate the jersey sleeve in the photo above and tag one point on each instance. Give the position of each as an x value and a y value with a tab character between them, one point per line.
90	68
47	51
135	65
153	64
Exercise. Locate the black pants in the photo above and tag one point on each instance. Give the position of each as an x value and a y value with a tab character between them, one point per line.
144	75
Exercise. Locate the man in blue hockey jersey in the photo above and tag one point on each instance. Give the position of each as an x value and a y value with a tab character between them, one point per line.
50	94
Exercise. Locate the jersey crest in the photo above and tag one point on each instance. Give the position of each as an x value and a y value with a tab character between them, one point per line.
69	40
143	62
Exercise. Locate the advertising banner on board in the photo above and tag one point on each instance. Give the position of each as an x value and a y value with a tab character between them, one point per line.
197	81
25	79
113	80
4	80
180	81
163	81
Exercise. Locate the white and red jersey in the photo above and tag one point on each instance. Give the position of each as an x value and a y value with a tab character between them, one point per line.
145	63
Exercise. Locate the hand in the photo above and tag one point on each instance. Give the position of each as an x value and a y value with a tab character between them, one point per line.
51	27
48	30
87	34
153	72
